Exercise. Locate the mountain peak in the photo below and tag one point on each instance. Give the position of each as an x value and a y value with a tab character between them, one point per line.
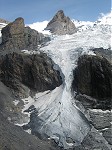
60	24
60	14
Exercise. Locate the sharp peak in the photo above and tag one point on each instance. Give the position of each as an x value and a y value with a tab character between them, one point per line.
60	13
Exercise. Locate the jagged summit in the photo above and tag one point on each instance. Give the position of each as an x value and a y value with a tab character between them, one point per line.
60	24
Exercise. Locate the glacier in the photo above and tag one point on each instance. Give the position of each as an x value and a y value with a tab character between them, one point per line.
57	116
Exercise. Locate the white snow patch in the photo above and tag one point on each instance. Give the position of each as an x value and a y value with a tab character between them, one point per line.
28	131
40	26
16	102
2	25
27	103
104	129
100	110
20	124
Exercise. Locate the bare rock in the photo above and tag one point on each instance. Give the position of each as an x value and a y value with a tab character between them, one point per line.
15	36
33	71
60	24
93	77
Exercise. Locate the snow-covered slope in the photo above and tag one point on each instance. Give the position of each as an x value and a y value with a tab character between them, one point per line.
58	116
103	20
40	26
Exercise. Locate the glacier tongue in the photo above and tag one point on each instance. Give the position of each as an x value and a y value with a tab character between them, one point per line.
58	117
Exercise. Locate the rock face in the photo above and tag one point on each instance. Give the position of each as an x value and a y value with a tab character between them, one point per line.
34	71
60	24
93	77
11	30
93	82
15	36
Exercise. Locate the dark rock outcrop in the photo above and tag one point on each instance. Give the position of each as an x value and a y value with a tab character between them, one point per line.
60	24
33	71
93	77
15	36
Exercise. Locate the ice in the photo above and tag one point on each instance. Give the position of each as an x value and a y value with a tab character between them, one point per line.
60	119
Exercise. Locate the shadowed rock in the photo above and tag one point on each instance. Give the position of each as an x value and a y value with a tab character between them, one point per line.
34	71
93	77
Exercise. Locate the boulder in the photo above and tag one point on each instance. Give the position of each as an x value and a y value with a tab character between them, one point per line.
60	24
33	71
